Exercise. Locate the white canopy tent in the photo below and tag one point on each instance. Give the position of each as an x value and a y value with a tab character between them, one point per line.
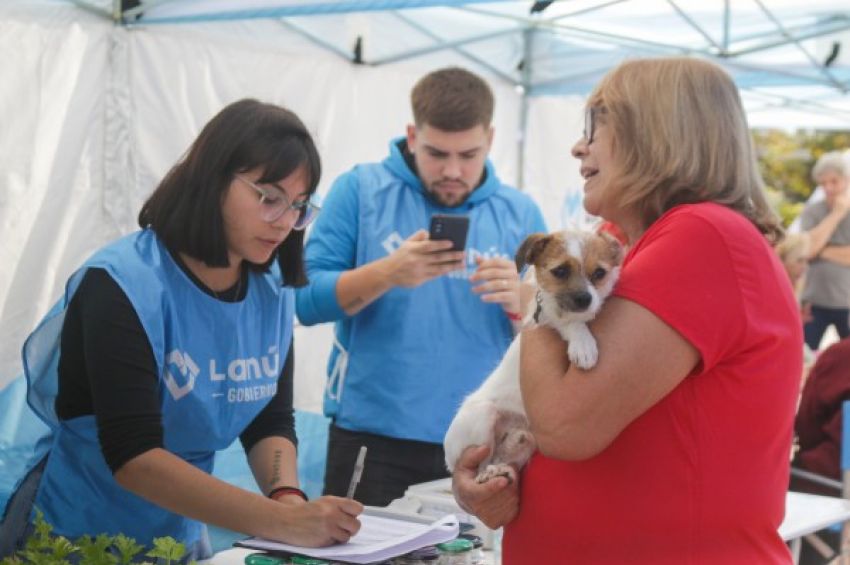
99	98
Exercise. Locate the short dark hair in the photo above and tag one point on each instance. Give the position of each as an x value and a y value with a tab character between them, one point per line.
185	209
452	99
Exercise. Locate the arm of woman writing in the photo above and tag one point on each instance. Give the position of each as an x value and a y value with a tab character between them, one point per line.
167	481
270	441
575	414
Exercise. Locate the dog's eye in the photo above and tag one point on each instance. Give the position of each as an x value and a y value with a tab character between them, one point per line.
561	272
598	274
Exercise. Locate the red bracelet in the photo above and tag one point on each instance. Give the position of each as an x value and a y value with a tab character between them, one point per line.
515	316
276	493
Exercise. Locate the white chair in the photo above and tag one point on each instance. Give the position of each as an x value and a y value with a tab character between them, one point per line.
840	489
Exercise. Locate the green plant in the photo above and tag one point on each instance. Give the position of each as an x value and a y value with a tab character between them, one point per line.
42	548
168	549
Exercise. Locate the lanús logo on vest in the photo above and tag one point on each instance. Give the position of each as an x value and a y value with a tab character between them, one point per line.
238	370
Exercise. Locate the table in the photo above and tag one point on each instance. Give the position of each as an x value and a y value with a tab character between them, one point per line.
236	556
808	513
804	514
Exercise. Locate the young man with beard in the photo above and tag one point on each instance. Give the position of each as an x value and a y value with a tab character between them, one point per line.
418	326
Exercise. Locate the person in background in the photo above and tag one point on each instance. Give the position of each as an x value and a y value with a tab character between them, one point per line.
826	294
818	426
418	326
173	341
675	447
818	422
793	251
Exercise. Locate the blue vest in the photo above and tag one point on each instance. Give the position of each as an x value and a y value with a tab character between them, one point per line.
218	365
402	366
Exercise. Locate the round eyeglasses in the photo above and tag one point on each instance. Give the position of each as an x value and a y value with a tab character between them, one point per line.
591	113
274	203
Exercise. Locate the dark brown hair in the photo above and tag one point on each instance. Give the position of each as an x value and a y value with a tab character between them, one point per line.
452	99
185	209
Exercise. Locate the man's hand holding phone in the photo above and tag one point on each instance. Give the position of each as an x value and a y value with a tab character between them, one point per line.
420	259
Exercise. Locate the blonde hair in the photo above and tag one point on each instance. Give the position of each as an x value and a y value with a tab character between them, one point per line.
680	136
793	246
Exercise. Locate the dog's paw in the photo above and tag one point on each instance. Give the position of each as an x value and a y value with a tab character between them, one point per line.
493	471
583	353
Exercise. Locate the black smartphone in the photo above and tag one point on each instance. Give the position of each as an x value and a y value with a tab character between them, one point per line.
451	227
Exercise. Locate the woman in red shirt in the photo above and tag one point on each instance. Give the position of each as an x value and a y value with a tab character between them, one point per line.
675	447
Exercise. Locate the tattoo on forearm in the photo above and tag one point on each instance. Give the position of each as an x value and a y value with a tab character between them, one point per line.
355	302
278	455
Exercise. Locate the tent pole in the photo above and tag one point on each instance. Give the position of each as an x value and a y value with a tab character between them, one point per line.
525	88
691	22
459	49
815	63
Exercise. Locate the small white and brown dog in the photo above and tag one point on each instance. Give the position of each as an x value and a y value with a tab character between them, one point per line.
574	272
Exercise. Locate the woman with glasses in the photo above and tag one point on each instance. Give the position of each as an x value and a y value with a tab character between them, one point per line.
177	339
675	447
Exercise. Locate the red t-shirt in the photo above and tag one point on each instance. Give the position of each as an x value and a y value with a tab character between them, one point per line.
701	476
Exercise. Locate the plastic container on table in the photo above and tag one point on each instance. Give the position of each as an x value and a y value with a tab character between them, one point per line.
456	552
428	555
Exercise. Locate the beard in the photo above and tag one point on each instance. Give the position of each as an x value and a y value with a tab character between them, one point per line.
451	199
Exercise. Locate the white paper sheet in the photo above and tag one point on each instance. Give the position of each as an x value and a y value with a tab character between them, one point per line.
379	538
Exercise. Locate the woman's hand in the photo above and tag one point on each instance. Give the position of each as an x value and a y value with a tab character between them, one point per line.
324	521
495	502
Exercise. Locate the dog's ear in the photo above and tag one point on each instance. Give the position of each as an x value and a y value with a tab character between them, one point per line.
530	249
615	248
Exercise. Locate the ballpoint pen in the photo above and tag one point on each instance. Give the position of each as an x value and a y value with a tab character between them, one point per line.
358	471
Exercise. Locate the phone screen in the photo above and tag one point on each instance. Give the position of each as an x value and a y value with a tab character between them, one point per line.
451	227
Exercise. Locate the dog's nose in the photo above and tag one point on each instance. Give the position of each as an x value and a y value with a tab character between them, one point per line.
582	300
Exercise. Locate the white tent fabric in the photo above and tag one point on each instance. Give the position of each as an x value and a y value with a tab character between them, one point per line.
94	114
791	57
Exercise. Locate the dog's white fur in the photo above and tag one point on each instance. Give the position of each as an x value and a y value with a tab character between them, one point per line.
493	414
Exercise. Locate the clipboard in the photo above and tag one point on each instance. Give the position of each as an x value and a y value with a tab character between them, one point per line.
383	534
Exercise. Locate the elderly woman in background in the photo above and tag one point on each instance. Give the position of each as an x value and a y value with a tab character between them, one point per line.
826	294
674	447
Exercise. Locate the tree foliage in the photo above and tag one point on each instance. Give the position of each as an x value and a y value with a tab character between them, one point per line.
786	160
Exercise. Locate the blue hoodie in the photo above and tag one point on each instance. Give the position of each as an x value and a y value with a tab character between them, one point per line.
402	365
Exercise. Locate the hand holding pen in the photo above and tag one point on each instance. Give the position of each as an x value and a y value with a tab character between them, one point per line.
319	522
323	521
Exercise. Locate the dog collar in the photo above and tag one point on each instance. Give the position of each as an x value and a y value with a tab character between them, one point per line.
539	308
